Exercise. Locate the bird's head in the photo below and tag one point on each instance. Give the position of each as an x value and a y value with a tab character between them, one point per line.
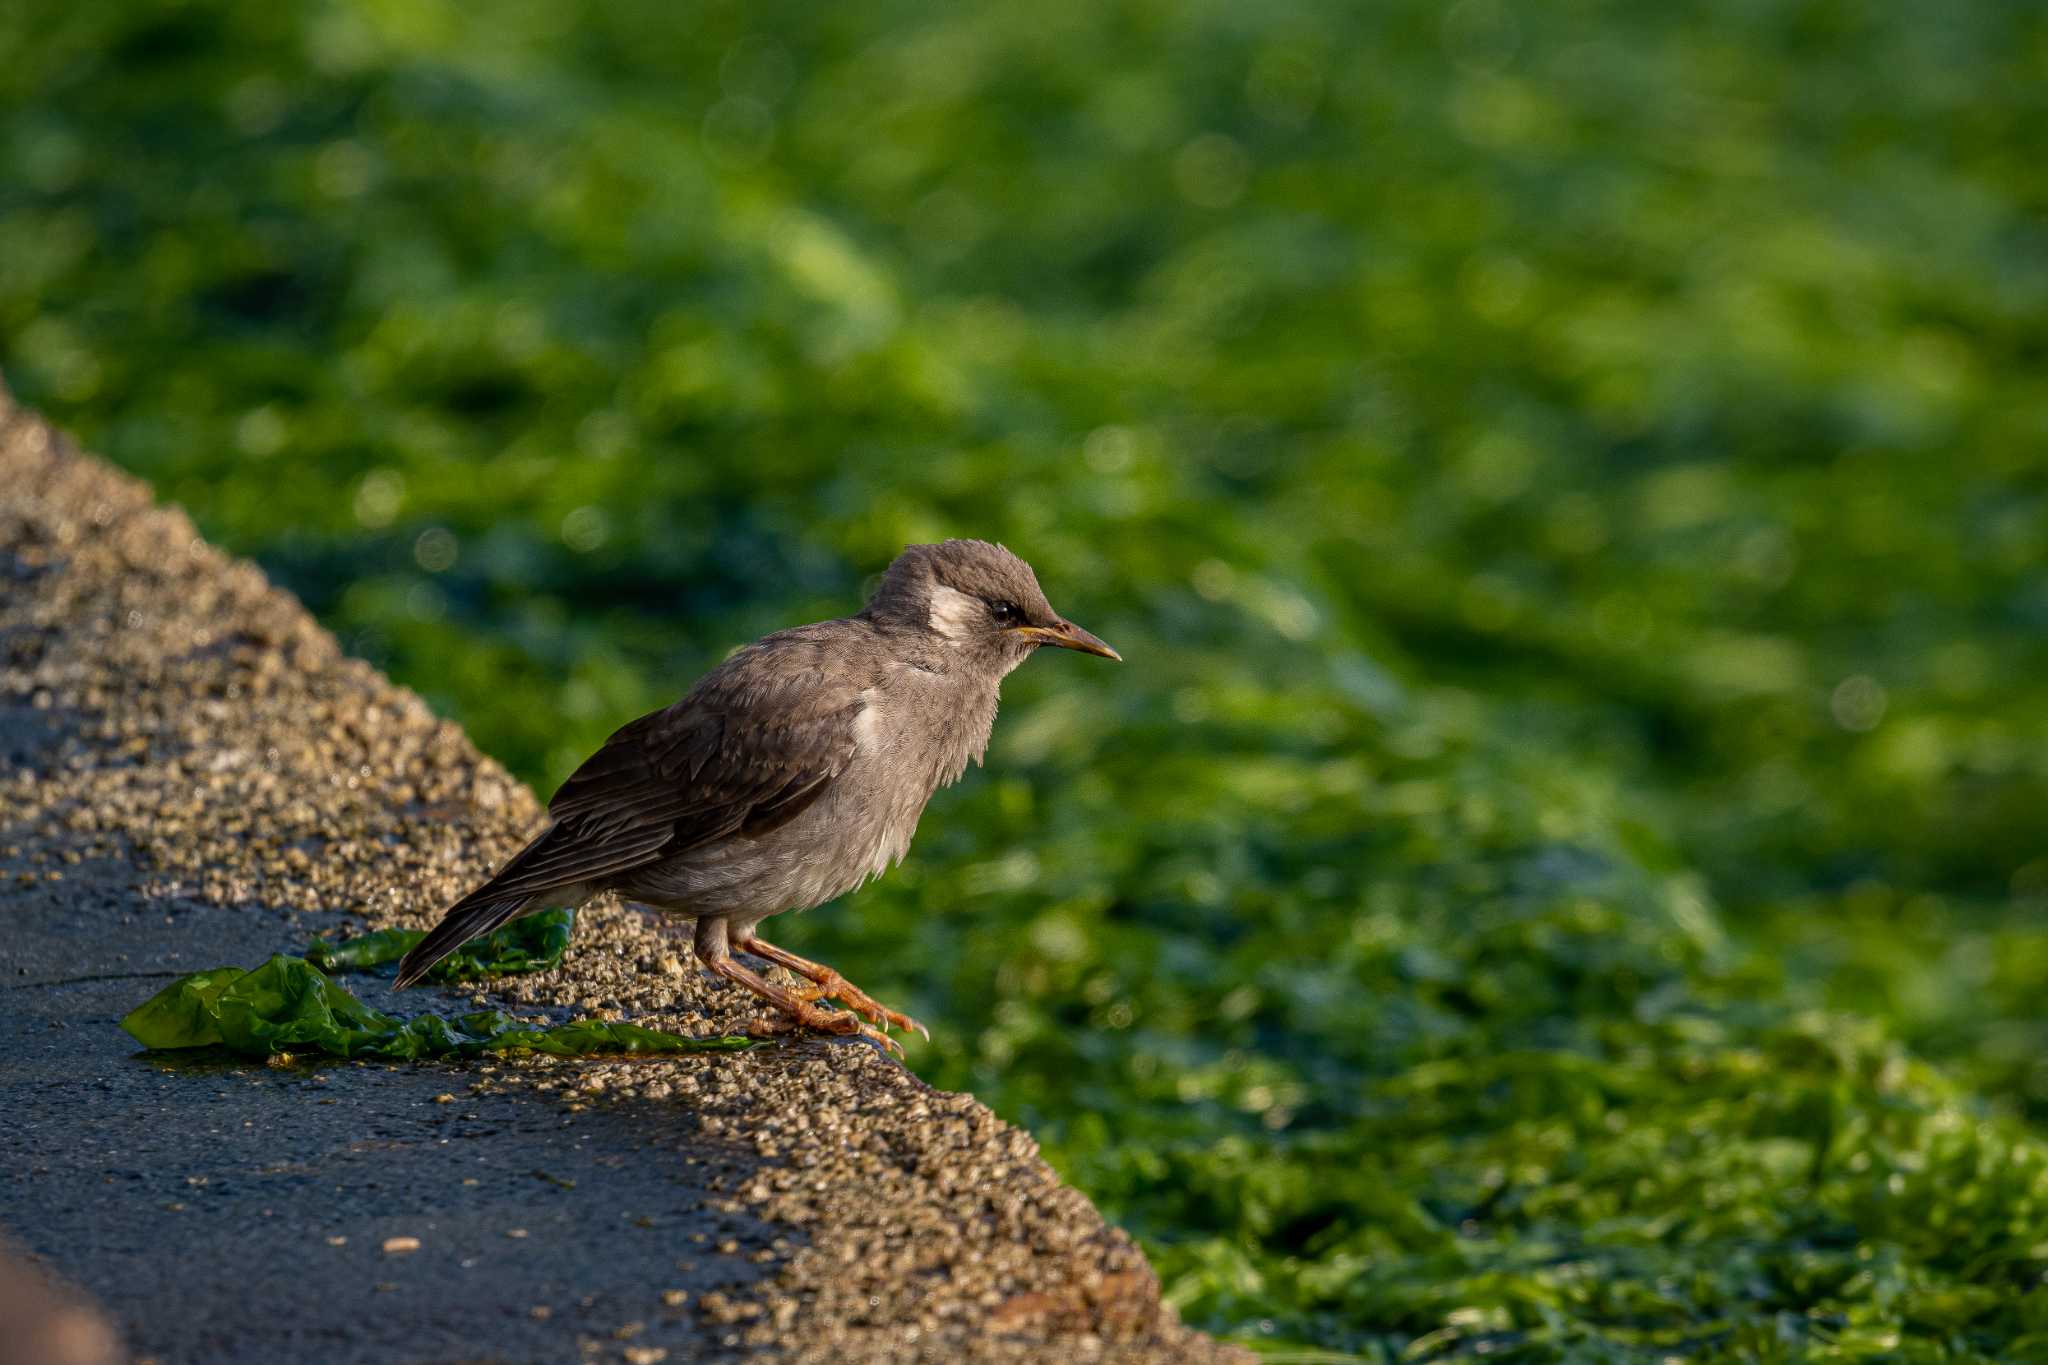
979	599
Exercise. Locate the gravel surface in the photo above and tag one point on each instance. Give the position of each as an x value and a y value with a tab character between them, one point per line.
191	774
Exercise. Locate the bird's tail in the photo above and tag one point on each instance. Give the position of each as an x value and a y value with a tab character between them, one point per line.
472	915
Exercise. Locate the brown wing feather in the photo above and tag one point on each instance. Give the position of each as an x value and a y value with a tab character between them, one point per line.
753	744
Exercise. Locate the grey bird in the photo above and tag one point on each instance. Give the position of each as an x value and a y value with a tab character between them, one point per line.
791	774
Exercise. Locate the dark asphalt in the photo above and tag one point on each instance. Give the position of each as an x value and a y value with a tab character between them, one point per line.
228	1211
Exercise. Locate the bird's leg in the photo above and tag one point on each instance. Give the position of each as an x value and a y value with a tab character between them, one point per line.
713	952
830	984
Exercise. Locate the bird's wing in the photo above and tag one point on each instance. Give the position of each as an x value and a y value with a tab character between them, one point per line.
758	740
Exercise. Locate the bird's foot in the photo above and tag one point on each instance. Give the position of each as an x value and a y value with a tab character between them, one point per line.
807	1015
827	983
837	987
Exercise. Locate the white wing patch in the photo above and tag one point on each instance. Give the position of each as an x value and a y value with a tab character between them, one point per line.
887	854
892	841
954	613
867	725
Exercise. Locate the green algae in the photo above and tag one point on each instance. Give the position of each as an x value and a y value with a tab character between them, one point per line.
531	943
289	1005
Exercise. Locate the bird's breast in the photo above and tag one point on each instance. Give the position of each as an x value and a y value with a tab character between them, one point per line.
912	734
917	731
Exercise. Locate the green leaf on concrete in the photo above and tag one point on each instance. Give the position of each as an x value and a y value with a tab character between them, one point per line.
532	943
289	1005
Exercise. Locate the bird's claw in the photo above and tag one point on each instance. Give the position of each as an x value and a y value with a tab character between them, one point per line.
839	1022
881	1016
838	988
890	1045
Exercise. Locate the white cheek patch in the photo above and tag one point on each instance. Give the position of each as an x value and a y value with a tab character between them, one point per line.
954	613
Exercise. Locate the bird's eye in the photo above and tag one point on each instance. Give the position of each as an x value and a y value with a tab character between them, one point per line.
1006	613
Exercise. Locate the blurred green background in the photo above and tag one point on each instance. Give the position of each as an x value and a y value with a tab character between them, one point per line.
1561	874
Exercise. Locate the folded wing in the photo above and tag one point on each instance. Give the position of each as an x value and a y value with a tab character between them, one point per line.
752	745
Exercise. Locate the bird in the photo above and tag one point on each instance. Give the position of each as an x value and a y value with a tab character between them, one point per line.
789	775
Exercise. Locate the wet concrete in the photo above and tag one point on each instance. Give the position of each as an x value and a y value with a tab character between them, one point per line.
191	775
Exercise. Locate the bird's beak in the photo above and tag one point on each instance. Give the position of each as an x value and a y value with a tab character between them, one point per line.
1067	635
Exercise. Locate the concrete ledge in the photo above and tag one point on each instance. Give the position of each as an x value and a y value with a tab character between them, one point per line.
191	773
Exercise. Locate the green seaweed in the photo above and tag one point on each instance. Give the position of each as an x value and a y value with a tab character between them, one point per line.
532	943
289	1005
1560	876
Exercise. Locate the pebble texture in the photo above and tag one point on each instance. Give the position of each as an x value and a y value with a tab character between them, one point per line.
193	752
